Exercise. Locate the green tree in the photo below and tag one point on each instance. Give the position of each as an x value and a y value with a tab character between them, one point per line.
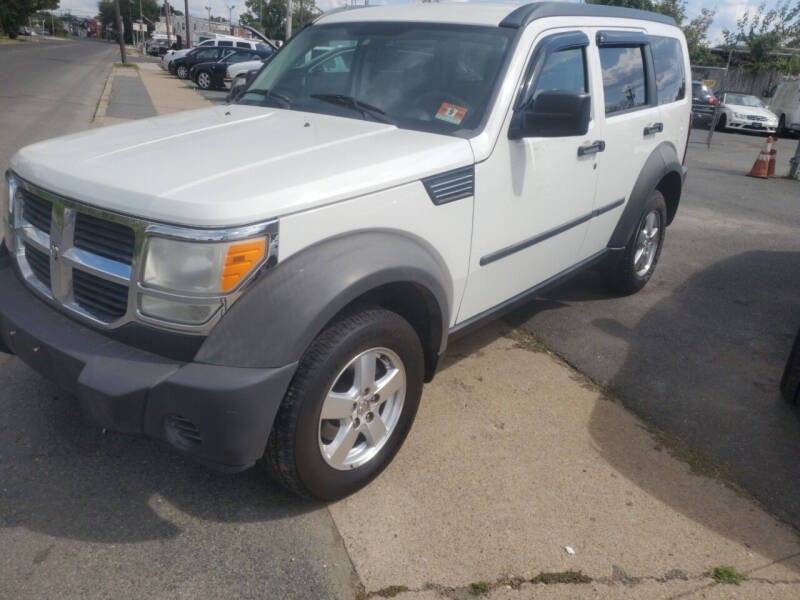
14	13
129	10
764	32
269	16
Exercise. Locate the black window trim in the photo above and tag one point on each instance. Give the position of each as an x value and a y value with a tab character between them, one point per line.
556	42
631	39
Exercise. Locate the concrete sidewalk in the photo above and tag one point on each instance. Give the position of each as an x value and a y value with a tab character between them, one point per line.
143	90
514	457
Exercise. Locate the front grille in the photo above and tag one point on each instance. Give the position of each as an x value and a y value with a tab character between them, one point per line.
756	118
37	211
39	262
106	238
103	299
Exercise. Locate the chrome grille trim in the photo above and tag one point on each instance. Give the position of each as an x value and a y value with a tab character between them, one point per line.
66	258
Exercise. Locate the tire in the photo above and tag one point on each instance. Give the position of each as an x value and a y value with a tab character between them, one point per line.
790	382
182	71
722	122
781	130
294	454
204	80
627	274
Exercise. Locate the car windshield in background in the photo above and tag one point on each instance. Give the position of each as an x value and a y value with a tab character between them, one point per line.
429	77
743	100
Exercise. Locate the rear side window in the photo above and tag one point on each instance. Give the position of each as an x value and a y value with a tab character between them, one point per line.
225	44
242	44
623	78
564	71
670	75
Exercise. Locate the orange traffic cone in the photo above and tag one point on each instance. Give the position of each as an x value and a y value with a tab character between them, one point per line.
771	168
761	166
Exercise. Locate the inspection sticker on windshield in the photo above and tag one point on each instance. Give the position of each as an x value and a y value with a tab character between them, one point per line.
451	113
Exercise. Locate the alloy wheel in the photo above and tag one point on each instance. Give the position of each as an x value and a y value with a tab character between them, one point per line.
647	242
204	80
362	409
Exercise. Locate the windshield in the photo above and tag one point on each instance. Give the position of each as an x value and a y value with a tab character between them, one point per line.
423	76
743	100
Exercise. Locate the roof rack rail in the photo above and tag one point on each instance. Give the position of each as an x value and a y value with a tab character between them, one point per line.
525	14
339	9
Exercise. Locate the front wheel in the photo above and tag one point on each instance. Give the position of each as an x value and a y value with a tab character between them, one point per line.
630	272
204	80
182	71
349	407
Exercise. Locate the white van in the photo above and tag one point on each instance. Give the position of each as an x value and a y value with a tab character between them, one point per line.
785	103
394	176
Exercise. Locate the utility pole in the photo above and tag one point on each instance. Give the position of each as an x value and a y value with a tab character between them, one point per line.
288	19
120	33
166	13
230	16
186	20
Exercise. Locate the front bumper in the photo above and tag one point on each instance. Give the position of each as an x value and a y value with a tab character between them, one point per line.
219	415
748	125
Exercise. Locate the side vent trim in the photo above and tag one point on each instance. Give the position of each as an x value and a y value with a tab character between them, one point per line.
451	186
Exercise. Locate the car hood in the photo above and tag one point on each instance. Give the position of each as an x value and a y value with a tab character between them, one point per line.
232	165
177	53
751	110
243	67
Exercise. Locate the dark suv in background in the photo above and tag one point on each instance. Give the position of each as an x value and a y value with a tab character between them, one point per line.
704	102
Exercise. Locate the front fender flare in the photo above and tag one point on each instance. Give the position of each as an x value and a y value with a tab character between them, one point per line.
276	320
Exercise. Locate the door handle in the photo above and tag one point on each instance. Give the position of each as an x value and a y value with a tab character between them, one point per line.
654	128
591	147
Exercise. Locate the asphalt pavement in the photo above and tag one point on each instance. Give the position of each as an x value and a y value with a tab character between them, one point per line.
700	351
85	514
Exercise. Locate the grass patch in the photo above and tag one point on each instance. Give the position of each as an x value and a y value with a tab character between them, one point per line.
387	592
526	340
127	65
478	588
699	463
562	577
727	575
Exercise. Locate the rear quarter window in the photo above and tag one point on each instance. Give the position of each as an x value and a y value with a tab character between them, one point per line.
670	74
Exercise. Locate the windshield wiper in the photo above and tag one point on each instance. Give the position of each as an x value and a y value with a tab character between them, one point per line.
270	94
362	107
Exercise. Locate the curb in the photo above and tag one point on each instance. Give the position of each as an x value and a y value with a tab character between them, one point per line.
102	102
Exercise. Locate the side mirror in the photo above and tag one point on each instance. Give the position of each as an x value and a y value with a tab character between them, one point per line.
552	114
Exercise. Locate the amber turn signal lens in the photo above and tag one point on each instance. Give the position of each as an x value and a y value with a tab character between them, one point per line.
240	261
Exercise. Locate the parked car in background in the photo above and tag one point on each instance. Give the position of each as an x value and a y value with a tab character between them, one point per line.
282	295
745	112
158	47
212	53
704	102
785	102
221	41
212	75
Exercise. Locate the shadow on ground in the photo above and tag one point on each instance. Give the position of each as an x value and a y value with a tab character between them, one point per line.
707	374
65	478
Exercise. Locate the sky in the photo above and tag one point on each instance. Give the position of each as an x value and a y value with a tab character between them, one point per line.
728	11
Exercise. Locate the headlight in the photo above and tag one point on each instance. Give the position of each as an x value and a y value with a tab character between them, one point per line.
738	115
188	279
208	269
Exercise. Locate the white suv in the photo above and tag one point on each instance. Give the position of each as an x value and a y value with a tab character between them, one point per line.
394	176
